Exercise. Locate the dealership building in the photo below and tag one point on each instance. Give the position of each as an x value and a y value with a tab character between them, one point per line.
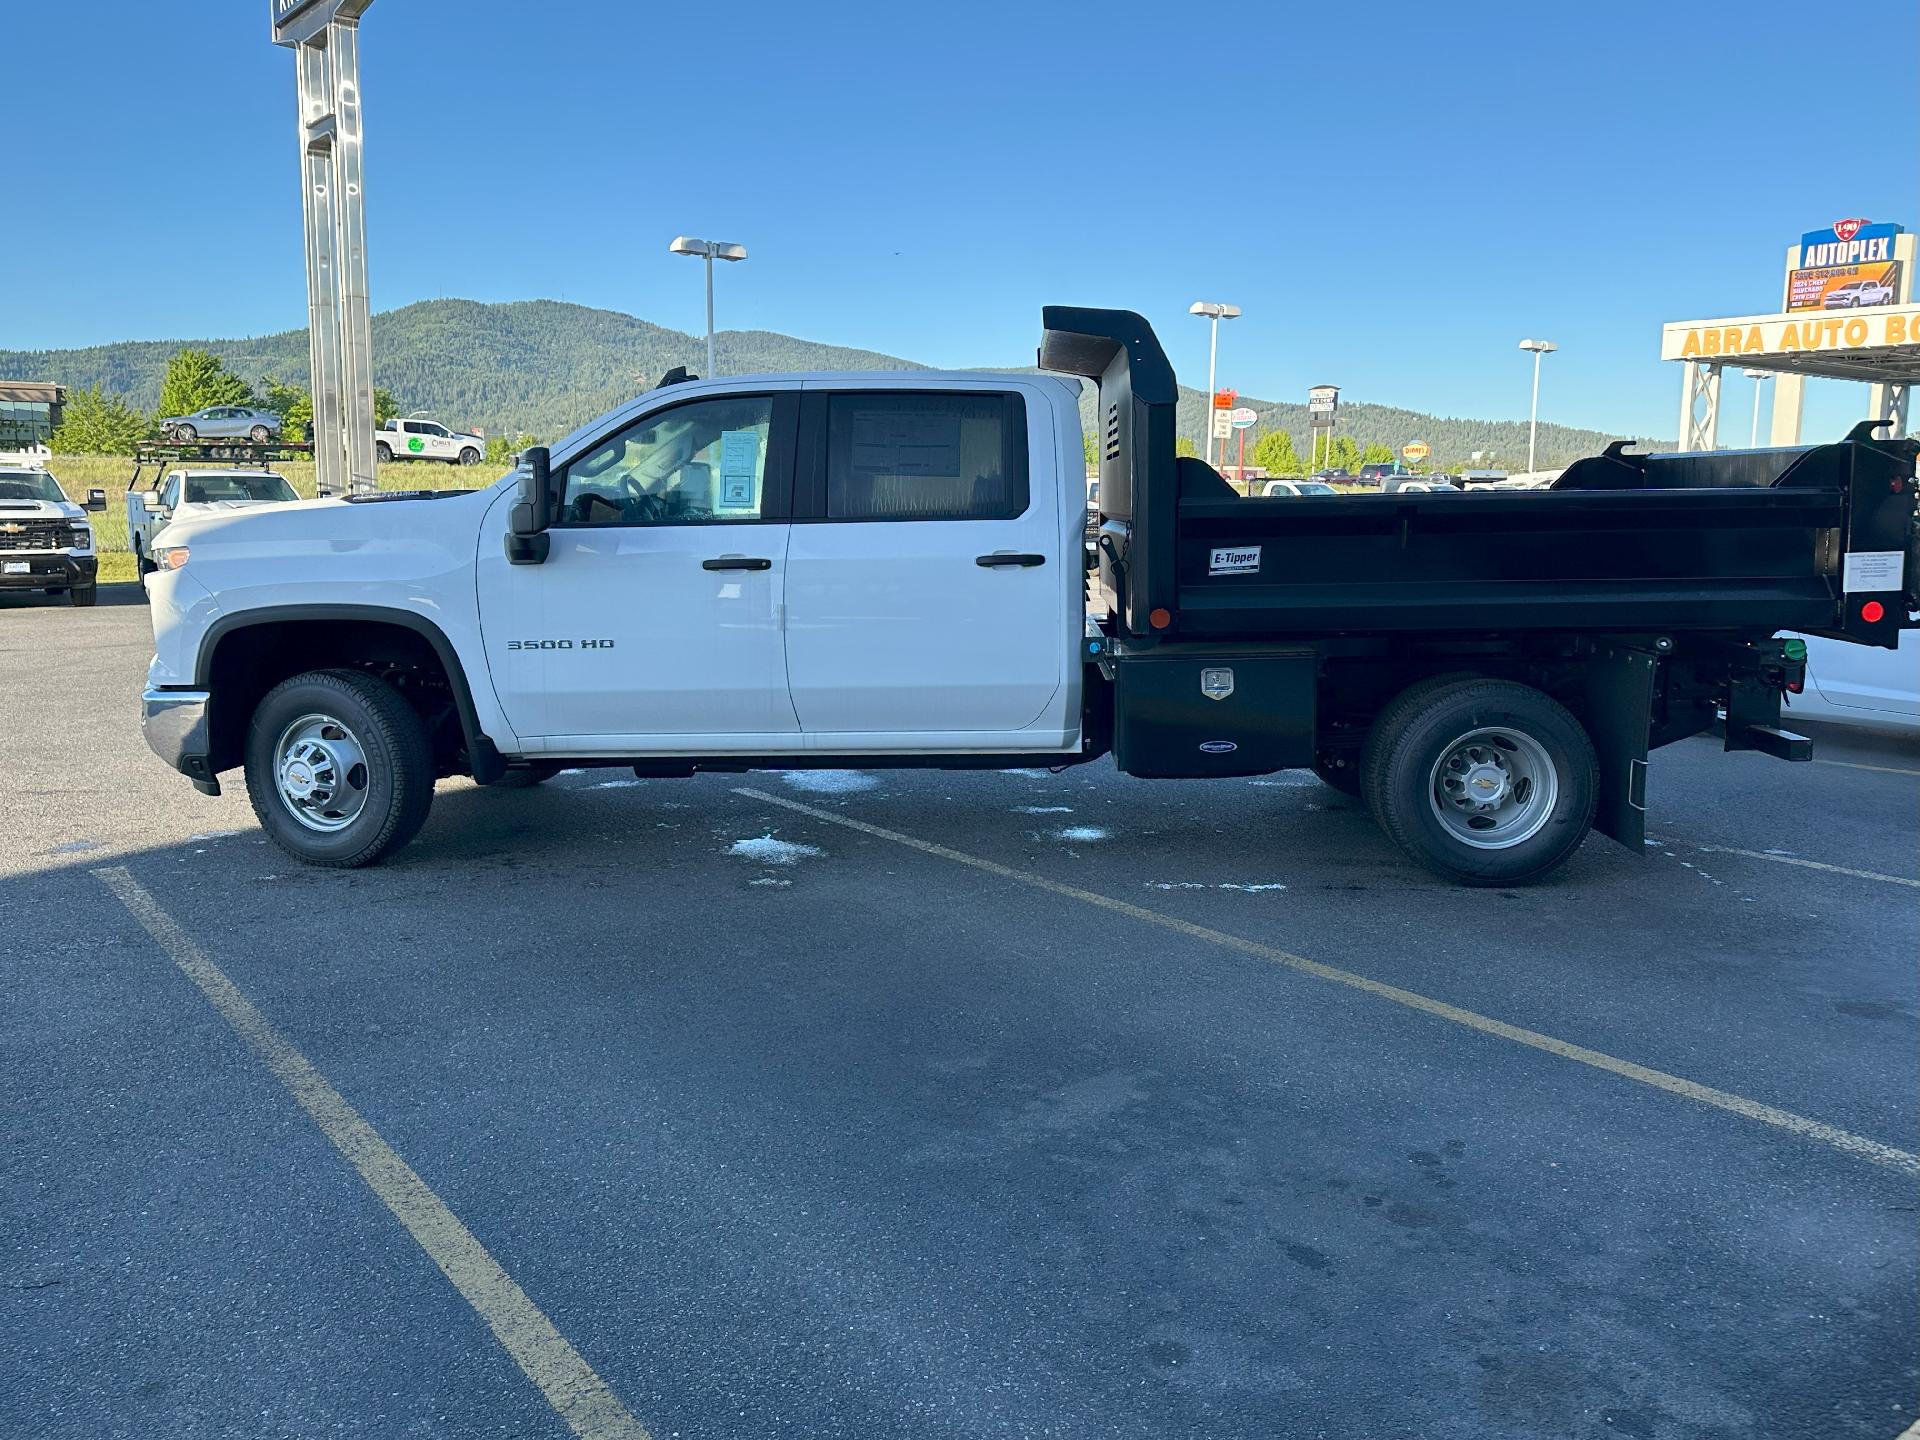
1847	313
29	414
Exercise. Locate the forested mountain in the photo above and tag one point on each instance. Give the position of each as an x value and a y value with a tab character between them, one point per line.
543	366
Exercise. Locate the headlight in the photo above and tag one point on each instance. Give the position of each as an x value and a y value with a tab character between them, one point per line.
174	557
81	537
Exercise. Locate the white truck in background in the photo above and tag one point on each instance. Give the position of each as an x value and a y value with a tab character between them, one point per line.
415	438
46	542
196	494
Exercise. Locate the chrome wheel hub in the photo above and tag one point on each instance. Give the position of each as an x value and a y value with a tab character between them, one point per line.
1493	788
320	773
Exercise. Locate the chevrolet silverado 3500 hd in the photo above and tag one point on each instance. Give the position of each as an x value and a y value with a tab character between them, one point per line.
886	570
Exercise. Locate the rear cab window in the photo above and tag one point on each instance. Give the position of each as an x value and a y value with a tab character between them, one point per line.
901	455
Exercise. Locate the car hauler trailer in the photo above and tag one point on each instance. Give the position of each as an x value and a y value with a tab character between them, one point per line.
783	572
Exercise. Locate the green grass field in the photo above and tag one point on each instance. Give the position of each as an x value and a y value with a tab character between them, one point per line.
78	474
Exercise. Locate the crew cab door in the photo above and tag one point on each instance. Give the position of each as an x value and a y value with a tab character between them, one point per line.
654	624
927	597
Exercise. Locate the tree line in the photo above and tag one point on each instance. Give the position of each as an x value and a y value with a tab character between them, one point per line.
95	421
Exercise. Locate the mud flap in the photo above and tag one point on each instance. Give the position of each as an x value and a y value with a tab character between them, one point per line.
1618	710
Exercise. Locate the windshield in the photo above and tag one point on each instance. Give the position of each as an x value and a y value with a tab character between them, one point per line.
209	489
1314	487
29	485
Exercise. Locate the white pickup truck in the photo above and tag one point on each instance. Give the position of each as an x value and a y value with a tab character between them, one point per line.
185	495
46	542
416	439
783	572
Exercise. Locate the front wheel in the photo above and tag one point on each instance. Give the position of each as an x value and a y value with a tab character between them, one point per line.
1486	782
259	435
81	595
339	768
469	456
185	434
382	453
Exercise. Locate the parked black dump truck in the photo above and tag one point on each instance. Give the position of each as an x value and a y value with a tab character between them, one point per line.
1487	671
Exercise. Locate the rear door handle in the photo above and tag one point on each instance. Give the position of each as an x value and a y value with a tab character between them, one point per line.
1003	557
736	562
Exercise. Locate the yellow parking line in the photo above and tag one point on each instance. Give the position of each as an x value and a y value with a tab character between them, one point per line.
590	1408
1842	1140
1811	865
1856	765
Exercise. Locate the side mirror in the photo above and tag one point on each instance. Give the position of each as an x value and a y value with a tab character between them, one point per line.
150	499
96	499
527	541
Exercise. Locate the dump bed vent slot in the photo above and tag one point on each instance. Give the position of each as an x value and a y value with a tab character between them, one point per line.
1113	432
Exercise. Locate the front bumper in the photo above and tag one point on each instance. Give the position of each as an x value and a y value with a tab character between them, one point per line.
174	723
47	570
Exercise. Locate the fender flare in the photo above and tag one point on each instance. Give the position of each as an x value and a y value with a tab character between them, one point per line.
482	754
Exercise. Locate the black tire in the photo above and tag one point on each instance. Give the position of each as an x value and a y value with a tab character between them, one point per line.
185	434
1341	772
469	456
81	595
1401	774
398	765
260	435
382	452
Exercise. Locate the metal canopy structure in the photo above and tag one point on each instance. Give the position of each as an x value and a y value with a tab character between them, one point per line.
325	36
1878	345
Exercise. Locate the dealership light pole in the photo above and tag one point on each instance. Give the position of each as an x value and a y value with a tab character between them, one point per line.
710	251
1539	348
1758	377
1215	312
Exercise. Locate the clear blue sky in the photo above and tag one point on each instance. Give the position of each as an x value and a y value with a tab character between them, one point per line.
1394	193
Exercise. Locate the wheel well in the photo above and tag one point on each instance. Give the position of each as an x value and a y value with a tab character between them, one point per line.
248	662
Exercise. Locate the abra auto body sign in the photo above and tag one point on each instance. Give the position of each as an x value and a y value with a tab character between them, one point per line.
1829	330
1847	266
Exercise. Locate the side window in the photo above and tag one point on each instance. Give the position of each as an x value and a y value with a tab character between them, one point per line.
700	463
170	496
958	456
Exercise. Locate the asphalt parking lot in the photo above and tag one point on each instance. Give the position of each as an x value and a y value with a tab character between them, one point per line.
1008	1104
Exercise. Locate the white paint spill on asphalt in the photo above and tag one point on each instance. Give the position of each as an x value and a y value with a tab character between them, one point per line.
573	772
829	782
616	784
768	880
1043	809
768	851
1030	774
214	835
1081	833
1288	780
1245	889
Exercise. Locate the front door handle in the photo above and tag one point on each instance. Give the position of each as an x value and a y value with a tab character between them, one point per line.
736	562
1004	557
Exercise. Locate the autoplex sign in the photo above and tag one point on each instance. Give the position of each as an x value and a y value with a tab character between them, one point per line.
1847	266
1785	335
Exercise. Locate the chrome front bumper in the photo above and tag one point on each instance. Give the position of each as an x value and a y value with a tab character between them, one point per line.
174	723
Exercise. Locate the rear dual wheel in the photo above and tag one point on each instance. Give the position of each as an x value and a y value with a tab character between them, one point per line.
1485	782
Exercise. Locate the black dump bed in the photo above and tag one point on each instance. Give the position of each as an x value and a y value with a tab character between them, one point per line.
1747	541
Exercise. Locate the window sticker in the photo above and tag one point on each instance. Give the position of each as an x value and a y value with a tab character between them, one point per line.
739	467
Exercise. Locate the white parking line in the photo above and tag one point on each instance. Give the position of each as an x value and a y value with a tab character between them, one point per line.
1856	765
1844	1141
585	1401
1811	865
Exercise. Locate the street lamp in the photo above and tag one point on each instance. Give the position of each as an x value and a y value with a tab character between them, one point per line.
1215	312
1753	440
710	251
1539	348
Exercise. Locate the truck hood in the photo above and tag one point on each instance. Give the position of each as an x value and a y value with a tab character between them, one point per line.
288	528
15	511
